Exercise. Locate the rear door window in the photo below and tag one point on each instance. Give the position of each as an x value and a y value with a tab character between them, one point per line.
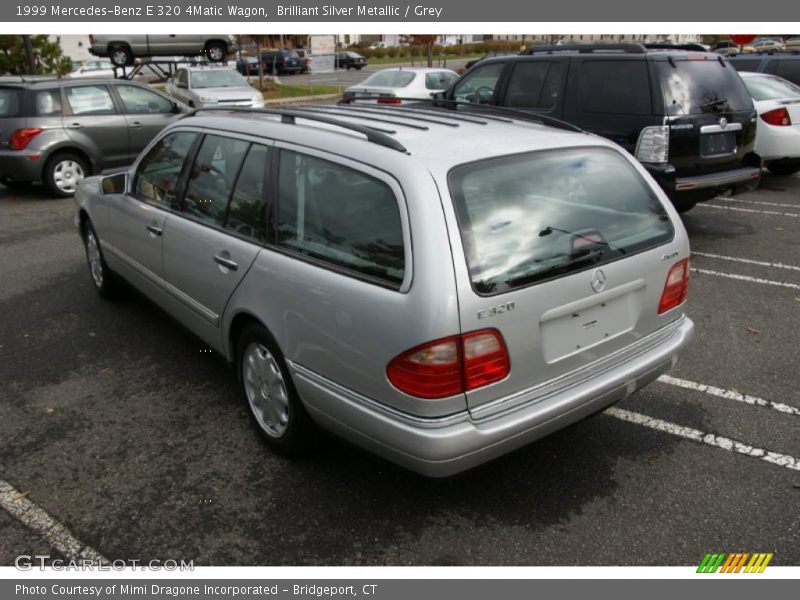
789	69
694	87
340	216
90	100
746	64
247	201
620	87
533	217
10	102
534	84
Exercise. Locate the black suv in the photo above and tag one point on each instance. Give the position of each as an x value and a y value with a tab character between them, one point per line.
685	115
782	64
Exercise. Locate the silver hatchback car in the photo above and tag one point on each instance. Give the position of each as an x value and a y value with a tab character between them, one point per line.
438	287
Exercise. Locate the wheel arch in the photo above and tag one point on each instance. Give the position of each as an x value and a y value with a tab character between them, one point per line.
238	324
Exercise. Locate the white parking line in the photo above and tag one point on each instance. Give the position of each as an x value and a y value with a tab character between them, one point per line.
35	518
718	441
738	277
748	210
758	202
729	394
746	261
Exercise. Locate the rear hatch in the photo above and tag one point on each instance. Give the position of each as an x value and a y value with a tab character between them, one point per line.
12	113
709	111
568	252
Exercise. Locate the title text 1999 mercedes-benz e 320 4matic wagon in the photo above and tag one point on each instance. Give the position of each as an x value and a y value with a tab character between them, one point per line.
437	287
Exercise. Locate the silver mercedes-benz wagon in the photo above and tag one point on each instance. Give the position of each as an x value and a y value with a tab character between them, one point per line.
439	287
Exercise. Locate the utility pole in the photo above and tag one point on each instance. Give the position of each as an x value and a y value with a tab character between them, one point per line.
26	42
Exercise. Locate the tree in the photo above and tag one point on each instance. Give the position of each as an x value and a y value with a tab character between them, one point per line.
426	41
46	55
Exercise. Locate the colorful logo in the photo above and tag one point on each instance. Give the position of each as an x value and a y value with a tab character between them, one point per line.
734	562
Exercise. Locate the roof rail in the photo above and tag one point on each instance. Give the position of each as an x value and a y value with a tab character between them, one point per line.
690	46
625	48
361	109
502	113
29	78
337	110
374	135
451	120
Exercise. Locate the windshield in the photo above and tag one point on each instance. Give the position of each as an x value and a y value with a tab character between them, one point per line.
702	86
217	78
389	79
770	88
532	217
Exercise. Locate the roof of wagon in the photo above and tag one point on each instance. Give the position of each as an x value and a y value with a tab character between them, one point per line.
433	135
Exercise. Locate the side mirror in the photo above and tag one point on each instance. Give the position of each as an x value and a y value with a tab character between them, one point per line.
176	108
115	184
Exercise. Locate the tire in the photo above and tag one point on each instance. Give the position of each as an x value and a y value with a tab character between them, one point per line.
358	68
120	55
103	278
684	207
63	172
216	52
270	396
783	168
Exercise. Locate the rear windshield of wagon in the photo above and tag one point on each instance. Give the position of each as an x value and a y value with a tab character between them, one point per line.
532	217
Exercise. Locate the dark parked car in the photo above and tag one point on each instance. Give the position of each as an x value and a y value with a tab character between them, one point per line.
348	60
279	62
686	116
782	64
60	131
247	65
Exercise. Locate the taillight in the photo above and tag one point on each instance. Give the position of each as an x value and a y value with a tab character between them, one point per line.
653	144
676	287
451	366
485	358
22	137
779	117
91	39
389	100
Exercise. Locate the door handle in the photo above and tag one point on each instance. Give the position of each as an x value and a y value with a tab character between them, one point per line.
74	126
225	262
135	125
155	229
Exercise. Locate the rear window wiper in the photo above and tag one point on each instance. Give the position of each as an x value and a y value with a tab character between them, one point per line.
714	103
600	242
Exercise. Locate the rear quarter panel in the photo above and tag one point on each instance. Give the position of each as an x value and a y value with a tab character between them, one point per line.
347	330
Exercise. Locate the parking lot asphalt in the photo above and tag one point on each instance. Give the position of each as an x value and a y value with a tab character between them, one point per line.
116	423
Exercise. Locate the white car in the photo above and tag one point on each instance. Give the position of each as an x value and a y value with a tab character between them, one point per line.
96	69
394	86
778	104
199	86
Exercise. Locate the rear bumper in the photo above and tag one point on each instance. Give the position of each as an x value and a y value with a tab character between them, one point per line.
707	186
445	446
21	165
